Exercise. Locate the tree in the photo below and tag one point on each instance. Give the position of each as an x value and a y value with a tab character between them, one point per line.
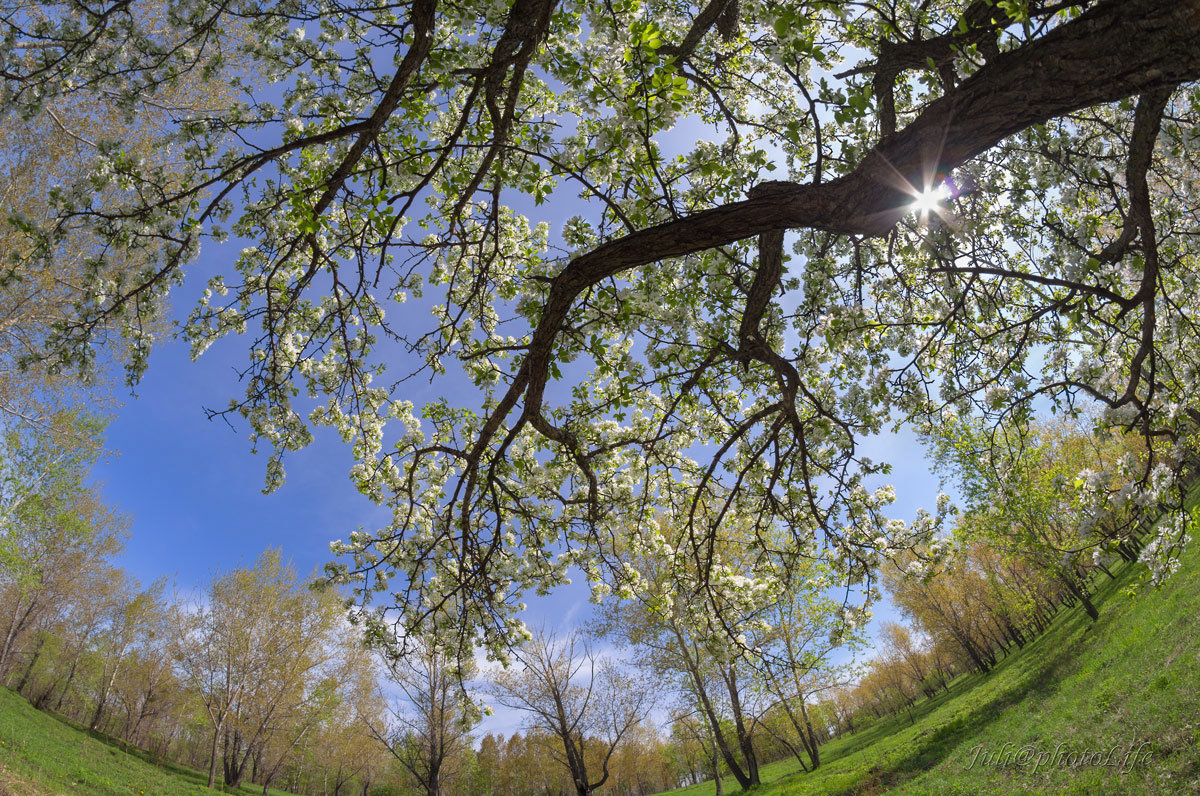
785	630
901	649
55	529
433	728
796	667
642	765
138	615
152	694
345	748
336	672
487	773
988	205
48	257
691	738
579	699
97	595
676	638
253	654
1047	494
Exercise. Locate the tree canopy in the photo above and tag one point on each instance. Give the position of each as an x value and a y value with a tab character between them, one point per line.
689	257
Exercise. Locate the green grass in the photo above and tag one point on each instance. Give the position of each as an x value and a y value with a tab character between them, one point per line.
42	755
1132	678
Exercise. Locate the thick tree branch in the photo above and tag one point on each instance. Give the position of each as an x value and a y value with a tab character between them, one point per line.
423	19
716	12
1119	48
766	279
1147	121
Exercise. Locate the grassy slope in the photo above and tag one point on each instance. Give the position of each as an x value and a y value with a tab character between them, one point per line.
42	755
1132	677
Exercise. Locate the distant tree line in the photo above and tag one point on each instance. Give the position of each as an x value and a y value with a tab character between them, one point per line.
1044	522
259	679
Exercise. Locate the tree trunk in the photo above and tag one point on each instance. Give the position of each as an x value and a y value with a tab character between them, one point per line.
103	702
745	739
237	761
212	756
813	745
710	714
67	687
1080	595
16	625
143	713
33	659
969	648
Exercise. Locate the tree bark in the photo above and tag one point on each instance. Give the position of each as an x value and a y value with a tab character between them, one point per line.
745	739
102	702
813	745
212	756
710	714
15	626
70	679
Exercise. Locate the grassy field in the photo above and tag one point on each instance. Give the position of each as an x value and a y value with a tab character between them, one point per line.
41	755
1129	681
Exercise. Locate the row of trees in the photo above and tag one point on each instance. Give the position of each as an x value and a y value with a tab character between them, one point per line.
1044	518
529	763
588	727
260	682
199	686
964	617
260	678
734	702
1038	524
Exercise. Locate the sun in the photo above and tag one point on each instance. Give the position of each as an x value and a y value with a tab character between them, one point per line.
931	199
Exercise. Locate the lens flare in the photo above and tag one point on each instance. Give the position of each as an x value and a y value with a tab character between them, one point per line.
931	199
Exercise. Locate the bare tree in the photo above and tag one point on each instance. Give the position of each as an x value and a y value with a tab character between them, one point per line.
433	725
587	702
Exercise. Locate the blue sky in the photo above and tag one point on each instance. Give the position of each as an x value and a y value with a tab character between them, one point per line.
194	489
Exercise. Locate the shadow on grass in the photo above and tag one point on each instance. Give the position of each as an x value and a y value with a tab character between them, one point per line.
176	770
1048	668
